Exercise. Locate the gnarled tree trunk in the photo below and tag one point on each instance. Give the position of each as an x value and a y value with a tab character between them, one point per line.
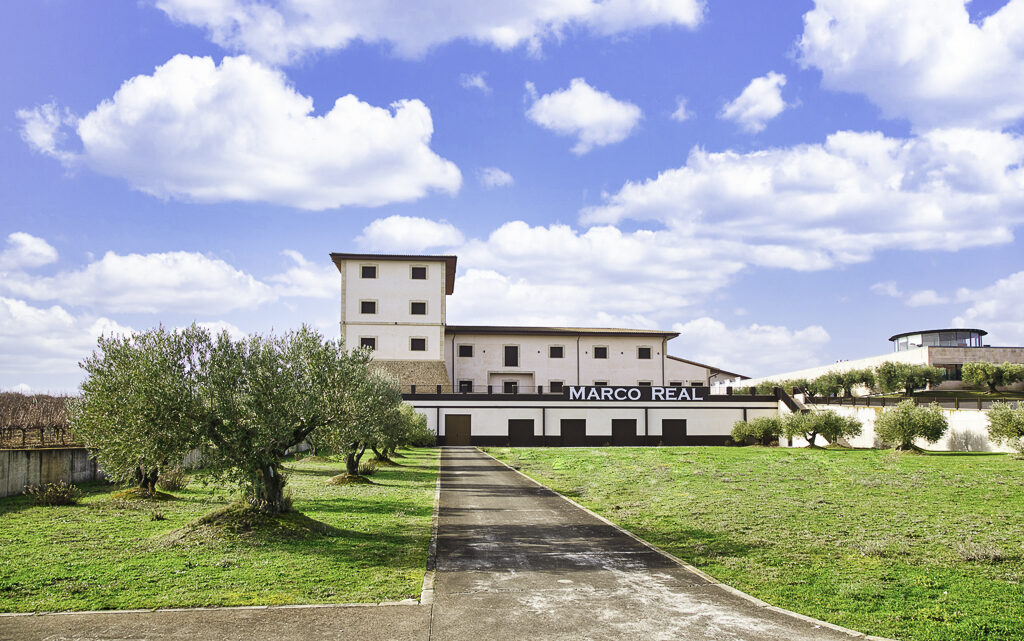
268	490
145	478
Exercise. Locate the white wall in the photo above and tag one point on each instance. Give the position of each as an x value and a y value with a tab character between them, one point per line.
393	324
486	366
968	429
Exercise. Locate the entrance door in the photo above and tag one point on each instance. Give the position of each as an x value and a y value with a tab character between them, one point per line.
457	429
673	431
624	431
574	432
520	432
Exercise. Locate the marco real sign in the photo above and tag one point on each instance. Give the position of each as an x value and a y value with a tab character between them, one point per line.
635	394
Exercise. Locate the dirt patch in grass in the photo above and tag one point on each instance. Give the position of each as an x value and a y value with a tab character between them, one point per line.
241	519
348	479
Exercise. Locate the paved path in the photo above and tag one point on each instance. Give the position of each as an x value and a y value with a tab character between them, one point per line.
514	561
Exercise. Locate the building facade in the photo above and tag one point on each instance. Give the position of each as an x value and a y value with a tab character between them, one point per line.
528	385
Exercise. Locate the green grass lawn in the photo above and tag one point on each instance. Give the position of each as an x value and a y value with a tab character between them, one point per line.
112	554
908	546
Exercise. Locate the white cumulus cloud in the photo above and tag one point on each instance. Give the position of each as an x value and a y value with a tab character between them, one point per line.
25	250
494	177
200	132
396	234
759	102
682	113
594	117
306	278
923	60
37	340
997	308
753	350
814	206
147	283
281	31
476	81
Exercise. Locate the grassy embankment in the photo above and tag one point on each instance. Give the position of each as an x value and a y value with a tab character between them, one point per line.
910	546
355	543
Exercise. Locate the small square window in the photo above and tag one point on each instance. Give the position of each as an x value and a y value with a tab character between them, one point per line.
466	386
556	387
418	308
600	383
643	353
675	383
418	344
601	352
511	356
368	341
556	351
367	307
419	273
510	387
643	383
465	351
368	271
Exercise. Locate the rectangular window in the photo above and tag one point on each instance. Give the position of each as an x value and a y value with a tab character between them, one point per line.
511	356
675	383
600	383
367	307
643	383
555	387
368	271
465	351
643	353
556	351
466	386
418	308
418	344
368	341
419	273
601	351
510	387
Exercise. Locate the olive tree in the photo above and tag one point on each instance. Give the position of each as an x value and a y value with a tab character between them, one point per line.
828	424
828	384
908	421
905	377
763	429
141	406
991	375
266	395
369	406
1006	424
855	377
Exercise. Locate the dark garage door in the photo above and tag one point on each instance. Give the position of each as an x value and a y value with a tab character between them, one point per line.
574	432
520	432
457	429
673	431
624	431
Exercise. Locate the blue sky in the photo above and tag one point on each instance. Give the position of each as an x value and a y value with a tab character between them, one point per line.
785	183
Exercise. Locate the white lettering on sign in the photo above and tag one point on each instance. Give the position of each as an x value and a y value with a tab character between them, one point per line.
576	393
629	393
657	393
634	394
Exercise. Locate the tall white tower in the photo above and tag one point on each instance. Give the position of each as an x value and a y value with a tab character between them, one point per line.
395	304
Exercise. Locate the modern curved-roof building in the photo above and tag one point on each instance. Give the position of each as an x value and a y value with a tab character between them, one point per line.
954	337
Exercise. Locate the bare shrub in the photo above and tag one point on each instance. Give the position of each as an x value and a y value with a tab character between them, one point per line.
34	420
173	480
59	493
980	552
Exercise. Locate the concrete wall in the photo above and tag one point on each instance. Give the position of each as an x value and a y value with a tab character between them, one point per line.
968	430
19	468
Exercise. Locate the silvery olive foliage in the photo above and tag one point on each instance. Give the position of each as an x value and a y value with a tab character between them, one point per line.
1006	424
152	397
828	424
908	421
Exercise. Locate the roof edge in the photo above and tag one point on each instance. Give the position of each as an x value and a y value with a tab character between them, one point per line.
448	260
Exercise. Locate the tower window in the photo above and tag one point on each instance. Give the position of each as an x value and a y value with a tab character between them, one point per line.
466	351
419	273
418	308
367	307
368	271
418	344
368	342
601	351
556	351
643	353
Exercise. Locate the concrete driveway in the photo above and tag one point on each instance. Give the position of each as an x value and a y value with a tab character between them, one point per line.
514	561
